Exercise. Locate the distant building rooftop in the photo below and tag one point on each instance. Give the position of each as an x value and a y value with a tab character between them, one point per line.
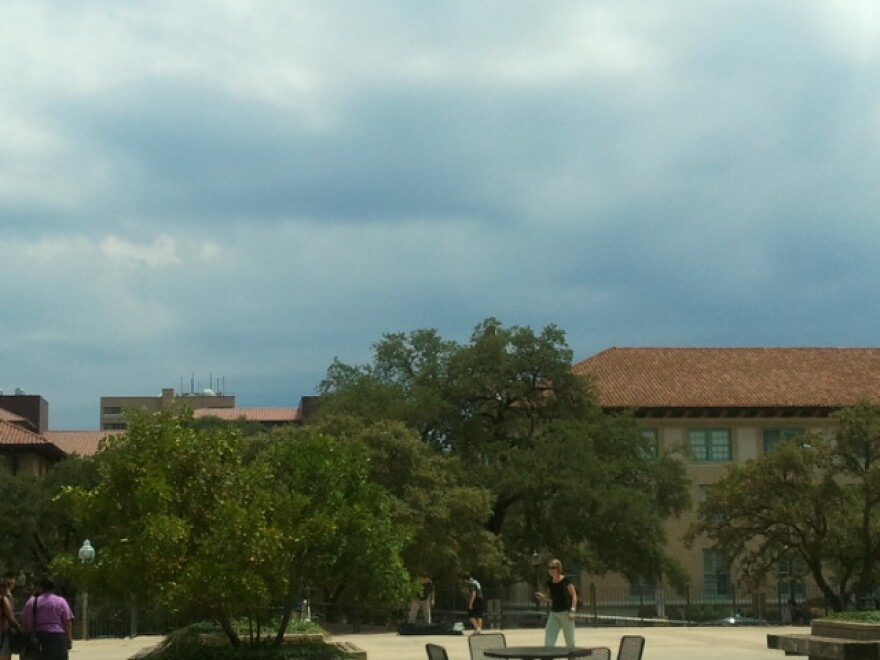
14	436
262	415
631	378
79	443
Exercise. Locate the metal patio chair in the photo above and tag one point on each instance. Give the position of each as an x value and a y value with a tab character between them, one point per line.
436	652
478	643
631	647
600	653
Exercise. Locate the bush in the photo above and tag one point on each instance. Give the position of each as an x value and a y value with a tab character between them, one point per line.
870	616
706	612
203	641
292	651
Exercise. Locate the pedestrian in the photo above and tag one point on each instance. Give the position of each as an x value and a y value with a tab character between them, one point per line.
424	601
798	615
475	605
562	596
9	625
50	617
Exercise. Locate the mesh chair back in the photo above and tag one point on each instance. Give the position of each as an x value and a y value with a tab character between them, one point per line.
631	647
436	652
479	643
600	653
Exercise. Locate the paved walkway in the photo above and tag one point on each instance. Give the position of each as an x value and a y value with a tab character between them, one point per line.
698	643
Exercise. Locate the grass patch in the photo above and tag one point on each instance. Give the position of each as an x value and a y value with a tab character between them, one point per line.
868	616
204	641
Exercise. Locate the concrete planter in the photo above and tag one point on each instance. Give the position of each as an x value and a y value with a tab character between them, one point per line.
846	629
832	640
304	637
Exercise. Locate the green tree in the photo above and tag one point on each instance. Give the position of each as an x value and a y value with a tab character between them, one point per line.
814	499
338	535
35	528
561	473
176	515
202	520
433	499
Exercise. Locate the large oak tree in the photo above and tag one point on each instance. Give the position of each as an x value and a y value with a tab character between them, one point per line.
564	478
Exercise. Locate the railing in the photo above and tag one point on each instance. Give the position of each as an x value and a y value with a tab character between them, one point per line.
598	607
509	607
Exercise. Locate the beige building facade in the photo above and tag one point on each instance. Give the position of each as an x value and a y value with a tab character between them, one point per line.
113	408
718	407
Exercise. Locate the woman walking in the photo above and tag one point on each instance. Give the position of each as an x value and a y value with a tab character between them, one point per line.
563	604
50	617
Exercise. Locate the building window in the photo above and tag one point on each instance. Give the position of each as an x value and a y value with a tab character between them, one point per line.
773	437
112	410
115	426
703	491
642	589
710	444
716	573
791	584
652	442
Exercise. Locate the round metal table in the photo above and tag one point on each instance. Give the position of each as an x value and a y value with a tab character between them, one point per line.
537	652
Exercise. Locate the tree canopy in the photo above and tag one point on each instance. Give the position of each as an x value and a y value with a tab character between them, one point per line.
433	498
204	520
813	502
35	528
564	478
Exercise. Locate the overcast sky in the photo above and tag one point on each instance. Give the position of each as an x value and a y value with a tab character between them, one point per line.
245	189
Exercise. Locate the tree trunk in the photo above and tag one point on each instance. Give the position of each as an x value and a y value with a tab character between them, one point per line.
226	626
285	615
499	511
834	602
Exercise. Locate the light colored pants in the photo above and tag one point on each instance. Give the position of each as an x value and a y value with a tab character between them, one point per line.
557	621
424	605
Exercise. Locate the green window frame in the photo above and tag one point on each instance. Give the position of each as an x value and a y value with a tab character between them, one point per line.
703	491
710	444
775	436
643	588
716	573
789	572
652	442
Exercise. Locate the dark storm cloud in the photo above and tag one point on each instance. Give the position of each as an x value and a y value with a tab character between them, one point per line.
207	156
254	190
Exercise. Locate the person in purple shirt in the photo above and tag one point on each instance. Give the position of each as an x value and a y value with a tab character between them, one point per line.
50	617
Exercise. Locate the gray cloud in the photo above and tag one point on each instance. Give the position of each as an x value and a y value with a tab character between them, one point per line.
250	190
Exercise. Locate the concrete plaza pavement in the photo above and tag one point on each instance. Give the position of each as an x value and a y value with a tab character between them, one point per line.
673	643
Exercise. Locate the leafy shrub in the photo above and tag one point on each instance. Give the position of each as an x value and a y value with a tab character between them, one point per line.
295	651
706	612
870	616
204	641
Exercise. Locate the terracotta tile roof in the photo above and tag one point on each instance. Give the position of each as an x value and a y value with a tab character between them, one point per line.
12	435
733	377
81	443
277	415
6	416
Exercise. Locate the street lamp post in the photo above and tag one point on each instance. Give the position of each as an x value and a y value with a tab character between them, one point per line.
86	556
536	563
